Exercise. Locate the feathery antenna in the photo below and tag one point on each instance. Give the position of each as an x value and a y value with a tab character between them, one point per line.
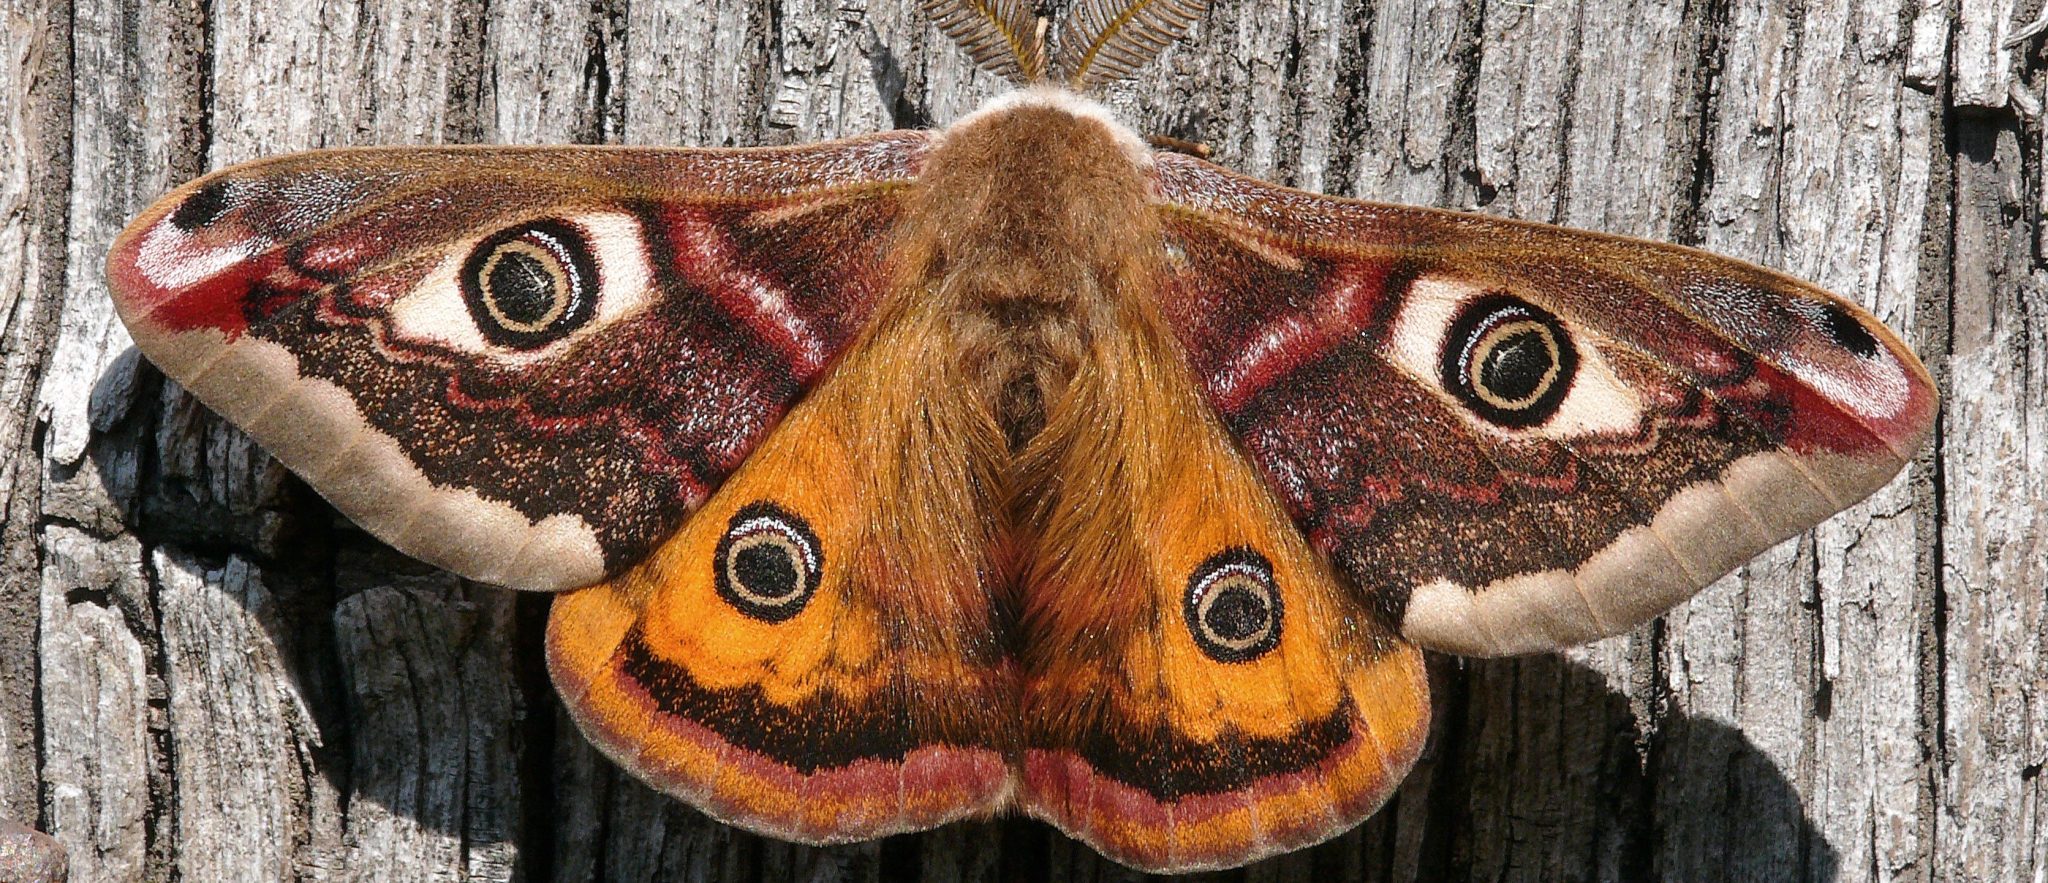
1097	41
1005	37
1102	41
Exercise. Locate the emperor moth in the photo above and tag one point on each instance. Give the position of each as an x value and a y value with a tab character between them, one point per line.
1013	466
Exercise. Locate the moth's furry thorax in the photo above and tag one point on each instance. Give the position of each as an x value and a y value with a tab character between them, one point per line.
1033	222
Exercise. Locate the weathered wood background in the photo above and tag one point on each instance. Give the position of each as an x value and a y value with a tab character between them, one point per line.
205	675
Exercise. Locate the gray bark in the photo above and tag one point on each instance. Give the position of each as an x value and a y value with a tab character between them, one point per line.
206	675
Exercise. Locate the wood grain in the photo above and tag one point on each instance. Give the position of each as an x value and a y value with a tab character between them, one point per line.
208	675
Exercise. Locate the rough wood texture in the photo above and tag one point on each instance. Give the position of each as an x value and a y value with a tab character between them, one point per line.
207	676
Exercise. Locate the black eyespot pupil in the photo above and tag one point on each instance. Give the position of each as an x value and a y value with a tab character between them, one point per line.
531	285
1516	367
767	564
521	288
1232	606
765	569
1236	613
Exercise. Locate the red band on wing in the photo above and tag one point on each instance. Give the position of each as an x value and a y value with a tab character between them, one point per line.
847	799
1314	785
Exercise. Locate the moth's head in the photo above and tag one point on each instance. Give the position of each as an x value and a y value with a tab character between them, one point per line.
1090	44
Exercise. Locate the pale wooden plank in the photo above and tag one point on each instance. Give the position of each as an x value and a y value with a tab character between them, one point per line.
1522	122
823	79
1227	86
694	75
244	736
1994	737
136	101
1927	59
96	700
134	122
32	56
283	79
548	64
434	784
1627	143
1983	64
34	167
1406	143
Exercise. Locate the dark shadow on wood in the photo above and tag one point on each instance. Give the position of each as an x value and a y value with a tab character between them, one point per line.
406	673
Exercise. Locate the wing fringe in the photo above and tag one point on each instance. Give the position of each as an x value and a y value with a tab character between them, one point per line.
1004	37
1102	41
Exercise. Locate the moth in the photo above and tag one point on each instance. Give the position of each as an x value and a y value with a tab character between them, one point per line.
1015	466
